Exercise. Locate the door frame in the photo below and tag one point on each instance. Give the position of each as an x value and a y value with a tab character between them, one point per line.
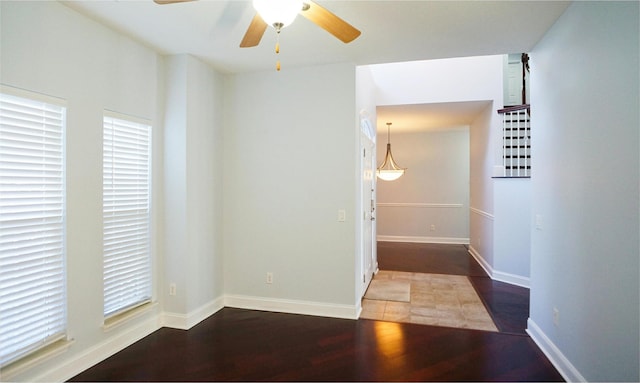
368	252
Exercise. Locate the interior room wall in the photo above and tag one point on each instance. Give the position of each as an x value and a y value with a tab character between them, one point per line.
481	217
50	49
291	140
585	240
430	202
512	230
193	191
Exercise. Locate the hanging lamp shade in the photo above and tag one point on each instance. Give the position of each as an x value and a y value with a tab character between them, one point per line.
278	13
389	170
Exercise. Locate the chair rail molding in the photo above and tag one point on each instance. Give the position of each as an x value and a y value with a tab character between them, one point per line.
420	204
482	213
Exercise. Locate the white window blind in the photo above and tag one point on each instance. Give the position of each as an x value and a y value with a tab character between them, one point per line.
126	215
32	226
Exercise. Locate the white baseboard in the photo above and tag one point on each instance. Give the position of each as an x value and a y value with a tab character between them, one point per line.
416	239
75	365
511	279
292	306
186	321
480	259
500	276
103	350
553	353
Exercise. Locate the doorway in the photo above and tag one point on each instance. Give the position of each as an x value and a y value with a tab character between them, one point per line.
368	257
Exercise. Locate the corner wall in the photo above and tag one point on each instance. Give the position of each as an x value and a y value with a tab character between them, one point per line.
193	259
586	172
481	215
291	143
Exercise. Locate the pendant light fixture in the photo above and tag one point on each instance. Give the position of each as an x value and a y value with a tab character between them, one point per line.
389	170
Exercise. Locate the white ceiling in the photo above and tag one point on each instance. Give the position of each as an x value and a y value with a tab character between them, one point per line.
428	117
392	31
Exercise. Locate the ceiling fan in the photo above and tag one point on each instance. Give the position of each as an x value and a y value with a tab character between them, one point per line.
280	13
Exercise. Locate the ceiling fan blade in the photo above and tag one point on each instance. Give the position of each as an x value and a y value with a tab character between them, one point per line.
330	22
163	2
254	33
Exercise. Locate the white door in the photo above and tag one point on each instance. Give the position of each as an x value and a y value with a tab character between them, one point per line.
369	261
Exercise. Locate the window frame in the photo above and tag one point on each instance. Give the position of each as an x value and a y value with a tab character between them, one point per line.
58	336
115	315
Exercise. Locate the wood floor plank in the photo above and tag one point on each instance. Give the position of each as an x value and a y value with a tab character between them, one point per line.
427	258
246	345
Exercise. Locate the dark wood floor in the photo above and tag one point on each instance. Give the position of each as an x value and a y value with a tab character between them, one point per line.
507	304
247	345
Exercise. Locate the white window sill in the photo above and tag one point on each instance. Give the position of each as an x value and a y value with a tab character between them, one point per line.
118	320
29	361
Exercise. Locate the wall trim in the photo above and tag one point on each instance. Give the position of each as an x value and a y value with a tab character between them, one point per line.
499	276
481	212
417	239
511	279
331	310
568	371
483	263
186	321
420	204
75	365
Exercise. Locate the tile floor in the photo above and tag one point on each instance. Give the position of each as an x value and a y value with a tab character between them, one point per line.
435	299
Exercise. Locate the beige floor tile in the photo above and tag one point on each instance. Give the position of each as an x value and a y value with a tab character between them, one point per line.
421	286
402	276
397	311
373	306
423	299
435	299
383	274
465	297
423	320
430	312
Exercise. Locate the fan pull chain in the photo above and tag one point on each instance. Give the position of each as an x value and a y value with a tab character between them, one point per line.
278	50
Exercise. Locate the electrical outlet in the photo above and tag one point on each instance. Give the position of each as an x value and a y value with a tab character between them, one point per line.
172	289
269	278
556	316
433	227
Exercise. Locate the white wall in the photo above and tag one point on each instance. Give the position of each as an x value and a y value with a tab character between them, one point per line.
291	144
51	49
585	256
512	231
481	216
193	191
433	191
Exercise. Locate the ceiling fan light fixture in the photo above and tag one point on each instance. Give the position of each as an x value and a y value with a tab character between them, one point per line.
389	170
278	13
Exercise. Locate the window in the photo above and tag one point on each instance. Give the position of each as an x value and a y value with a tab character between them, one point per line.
126	214
32	225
